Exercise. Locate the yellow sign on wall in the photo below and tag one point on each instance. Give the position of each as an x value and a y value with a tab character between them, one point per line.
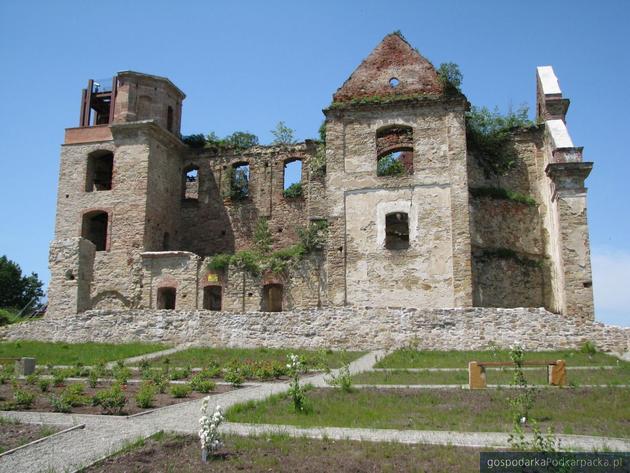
213	278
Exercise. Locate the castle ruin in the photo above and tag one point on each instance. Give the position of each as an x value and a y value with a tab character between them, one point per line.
140	214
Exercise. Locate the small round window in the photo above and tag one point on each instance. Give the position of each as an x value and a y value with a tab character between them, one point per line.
394	82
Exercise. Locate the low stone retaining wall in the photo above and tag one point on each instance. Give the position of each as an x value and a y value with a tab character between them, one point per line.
347	327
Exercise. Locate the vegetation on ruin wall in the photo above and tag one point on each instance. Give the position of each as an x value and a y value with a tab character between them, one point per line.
260	258
510	254
238	141
502	194
317	163
488	137
294	191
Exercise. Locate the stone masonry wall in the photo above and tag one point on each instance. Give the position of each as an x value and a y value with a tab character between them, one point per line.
216	224
339	328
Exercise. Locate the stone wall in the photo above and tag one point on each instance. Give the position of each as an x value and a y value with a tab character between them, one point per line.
340	328
214	223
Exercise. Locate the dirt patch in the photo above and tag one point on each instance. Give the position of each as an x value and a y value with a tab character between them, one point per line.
13	435
42	400
283	454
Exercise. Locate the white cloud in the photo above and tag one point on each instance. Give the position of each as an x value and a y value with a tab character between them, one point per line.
611	285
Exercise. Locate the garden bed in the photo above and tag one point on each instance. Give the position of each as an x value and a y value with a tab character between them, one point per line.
410	358
14	434
82	402
281	453
589	411
201	357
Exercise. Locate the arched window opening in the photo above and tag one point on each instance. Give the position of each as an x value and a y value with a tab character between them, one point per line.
191	183
292	179
272	298
166	241
100	169
394	151
166	298
169	118
397	231
239	182
212	296
94	228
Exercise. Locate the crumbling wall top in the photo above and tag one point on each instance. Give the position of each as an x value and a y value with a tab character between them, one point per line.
392	68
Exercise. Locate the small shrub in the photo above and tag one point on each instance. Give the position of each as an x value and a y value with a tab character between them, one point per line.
294	191
121	374
59	377
195	140
296	391
60	404
111	400
313	237
220	262
80	371
73	395
234	377
180	390
44	385
32	379
451	77
23	399
180	373
488	135
211	372
145	395
92	379
390	165
201	384
100	369
343	379
283	135
160	379
588	348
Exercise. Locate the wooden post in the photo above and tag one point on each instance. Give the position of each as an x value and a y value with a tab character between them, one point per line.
558	373
476	376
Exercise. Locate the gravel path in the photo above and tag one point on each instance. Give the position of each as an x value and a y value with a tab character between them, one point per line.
152	355
460	439
104	435
526	368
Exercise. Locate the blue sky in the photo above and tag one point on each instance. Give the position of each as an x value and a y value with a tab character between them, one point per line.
245	65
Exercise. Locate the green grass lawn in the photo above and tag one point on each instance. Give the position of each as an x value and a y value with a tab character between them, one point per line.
59	353
201	357
407	358
493	376
594	411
